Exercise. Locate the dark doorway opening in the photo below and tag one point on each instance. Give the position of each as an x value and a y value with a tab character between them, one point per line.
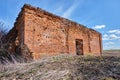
79	46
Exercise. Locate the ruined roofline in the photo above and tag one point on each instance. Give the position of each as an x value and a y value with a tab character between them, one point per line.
19	15
94	31
55	16
39	10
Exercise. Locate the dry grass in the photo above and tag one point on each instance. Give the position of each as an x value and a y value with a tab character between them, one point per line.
64	67
111	53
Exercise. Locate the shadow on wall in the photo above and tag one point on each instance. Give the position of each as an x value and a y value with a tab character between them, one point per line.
10	52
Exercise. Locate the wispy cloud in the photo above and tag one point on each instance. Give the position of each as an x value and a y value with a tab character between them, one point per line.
113	36
109	43
70	10
99	26
110	37
59	10
105	37
116	31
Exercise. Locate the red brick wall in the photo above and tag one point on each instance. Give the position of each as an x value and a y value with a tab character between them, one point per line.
46	34
16	34
19	25
95	43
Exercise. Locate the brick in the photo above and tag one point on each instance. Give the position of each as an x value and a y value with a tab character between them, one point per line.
47	34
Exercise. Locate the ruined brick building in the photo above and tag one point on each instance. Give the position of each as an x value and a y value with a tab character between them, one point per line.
46	34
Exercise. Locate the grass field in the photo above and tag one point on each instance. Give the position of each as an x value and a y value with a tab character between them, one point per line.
111	50
65	67
111	53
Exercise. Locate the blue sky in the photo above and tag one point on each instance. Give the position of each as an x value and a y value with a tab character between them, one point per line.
101	15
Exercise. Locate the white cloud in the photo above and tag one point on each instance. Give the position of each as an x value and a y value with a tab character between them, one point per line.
110	37
112	31
70	10
109	43
99	26
116	31
59	10
113	36
105	37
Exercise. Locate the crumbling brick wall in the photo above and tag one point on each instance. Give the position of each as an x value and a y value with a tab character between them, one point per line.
15	37
46	34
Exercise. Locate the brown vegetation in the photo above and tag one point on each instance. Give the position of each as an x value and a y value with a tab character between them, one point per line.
6	56
64	67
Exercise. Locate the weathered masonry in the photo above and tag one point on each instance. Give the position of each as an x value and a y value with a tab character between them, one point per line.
46	34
